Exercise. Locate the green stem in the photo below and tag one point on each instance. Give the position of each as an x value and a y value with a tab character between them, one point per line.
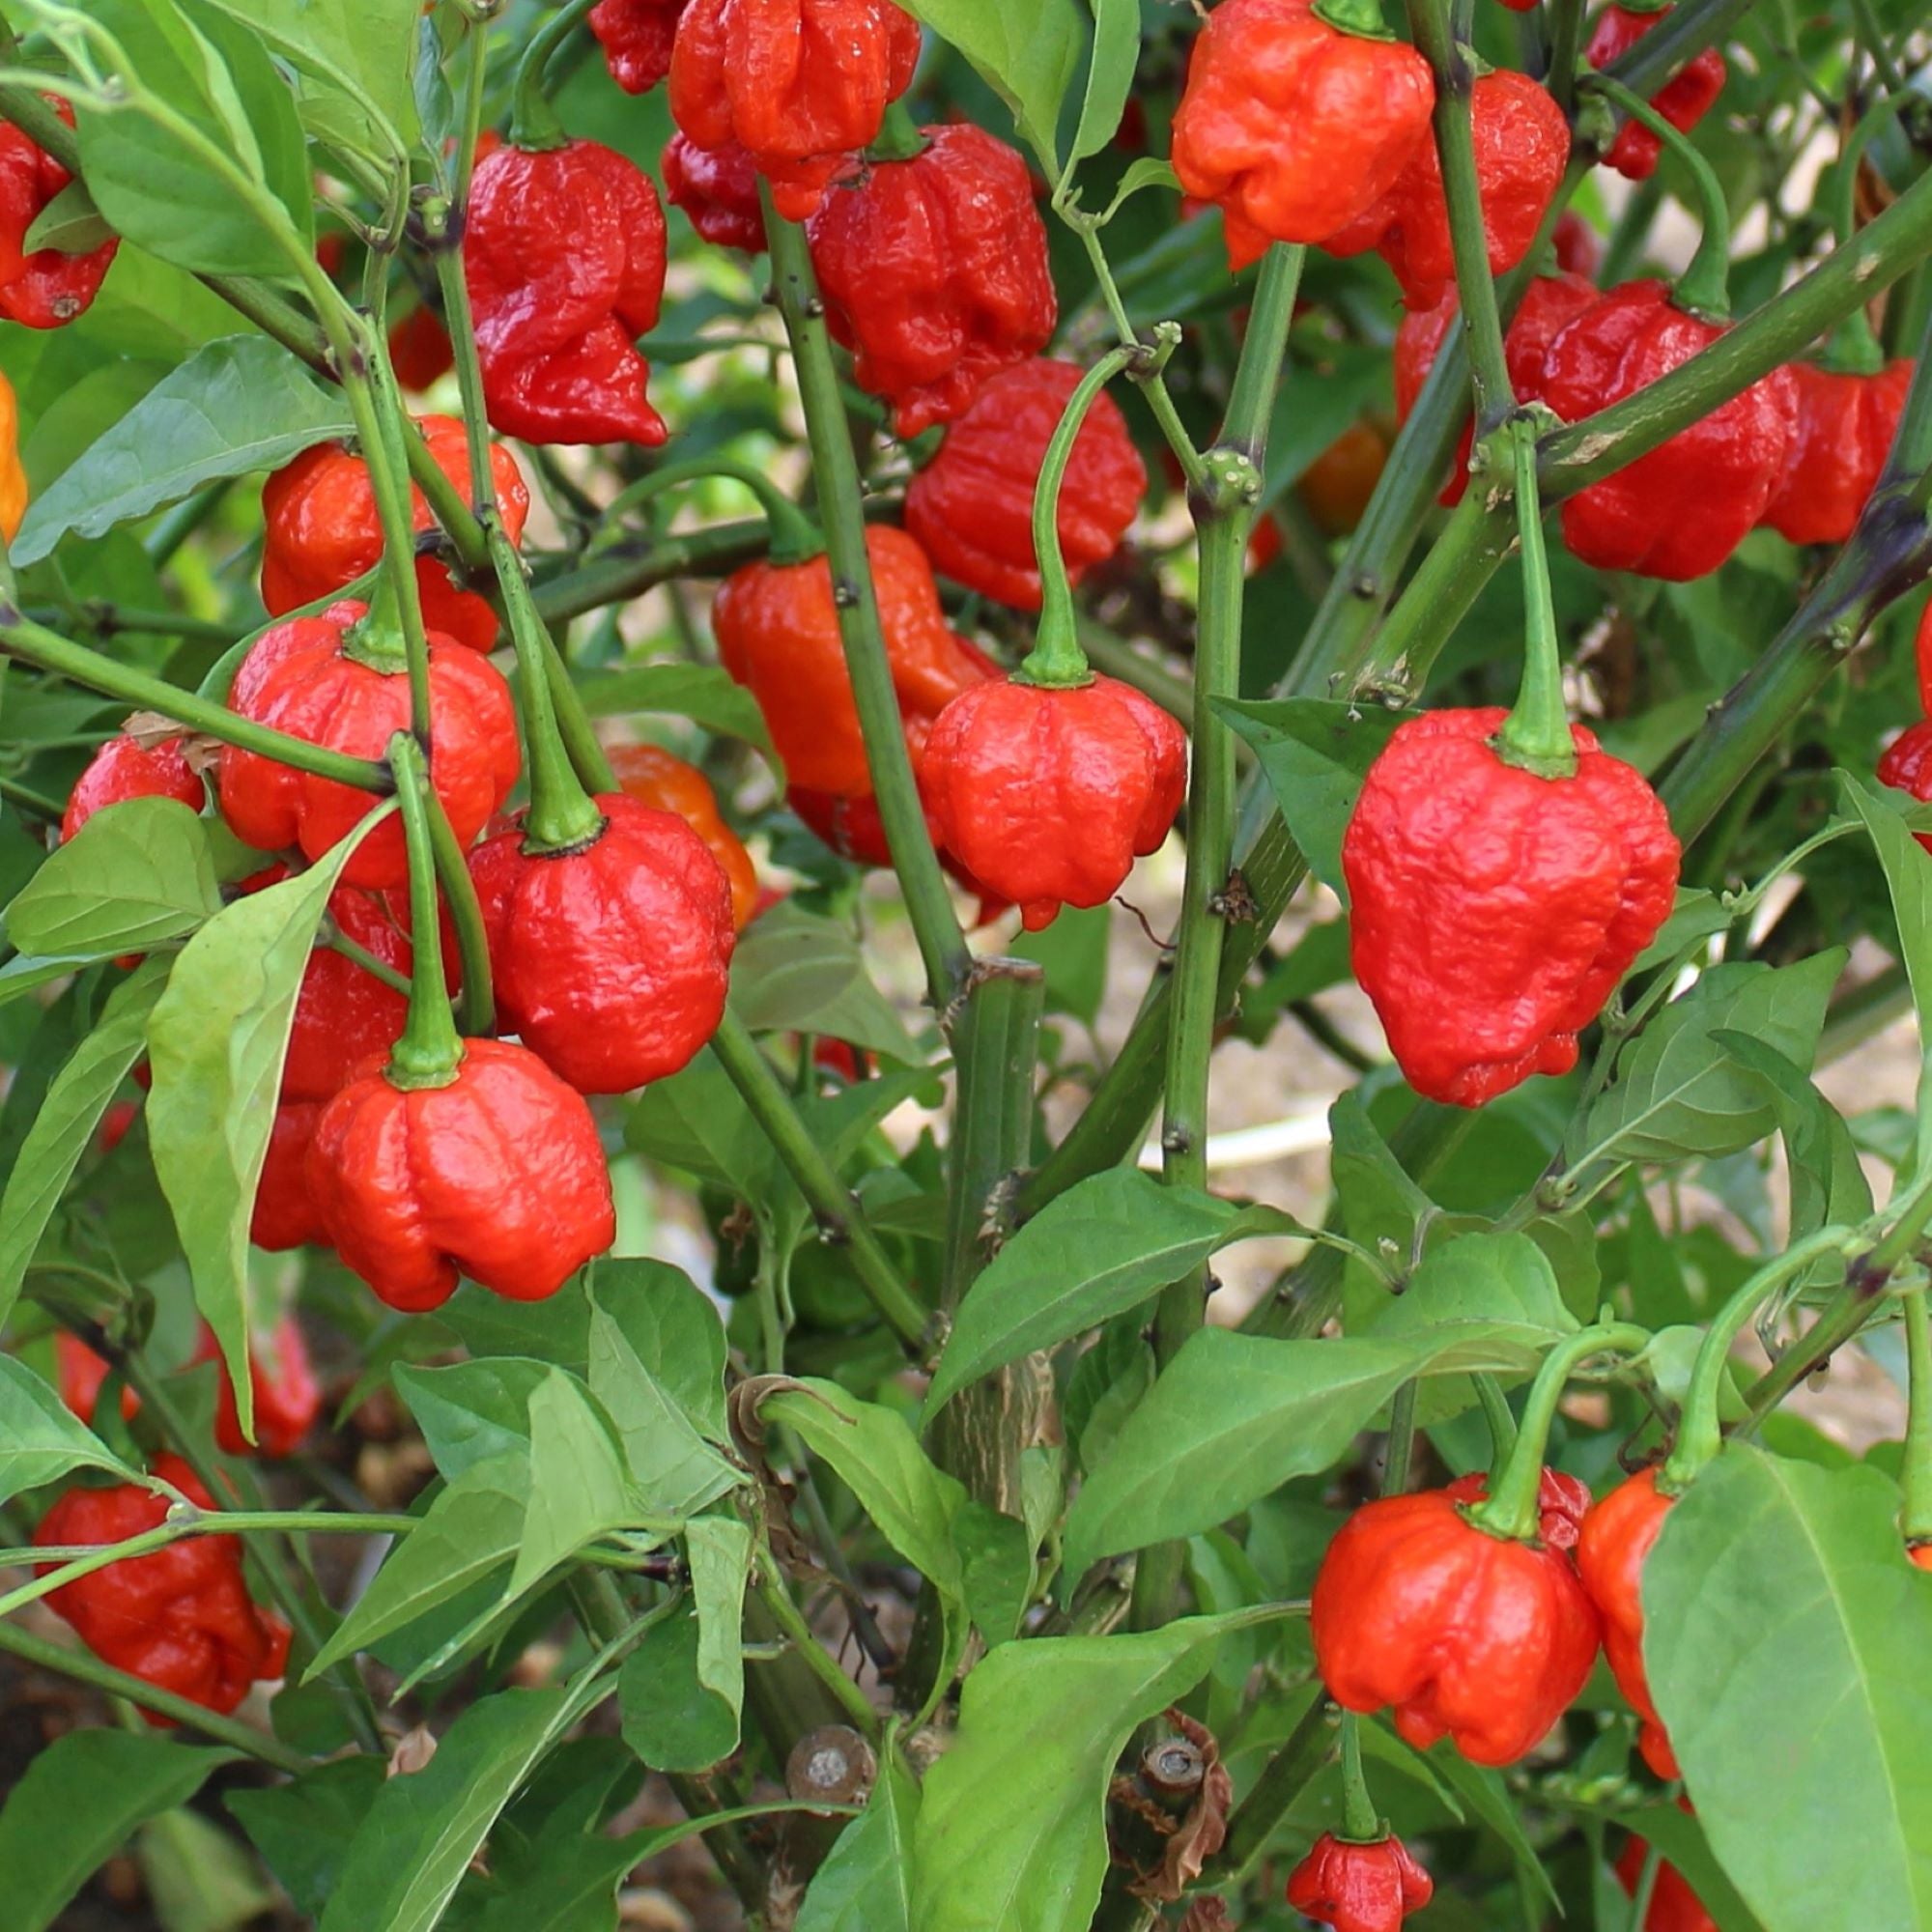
1536	734
478	1017
1916	1473
534	122
1056	660
1704	287
173	528
631	566
430	1051
1400	1454
1360	1823
852	1700
839	1221
1566	39
834	469
1498	1415
794	537
36	804
1511	1509
1255	1820
900	138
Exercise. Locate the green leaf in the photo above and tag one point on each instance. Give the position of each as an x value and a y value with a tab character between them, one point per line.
218	1040
77	1803
236	406
798	971
66	1121
719	1551
1314	753
675	1470
200	1878
41	1439
672	1323
879	1459
865	1885
996	1557
364	48
1110	75
1785	1637
1012	1830
1905	875
579	1487
702	693
670	1718
1025	50
134	876
471	1412
69	223
1074	950
303	1828
1099	1249
695	1120
1827	1182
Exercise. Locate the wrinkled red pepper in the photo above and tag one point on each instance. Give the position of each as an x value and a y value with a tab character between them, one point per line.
717	190
1844	425
47	289
1359	1887
1683	101
637	36
124	768
1617	1537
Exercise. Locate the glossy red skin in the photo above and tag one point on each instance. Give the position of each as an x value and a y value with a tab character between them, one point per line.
47	289
1523	146
637	36
1468	1635
1617	1537
81	1373
421	354
1907	761
285	1215
500	1174
564	256
797	83
653	777
122	770
287	1398
1843	433
1292	126
934	273
1673	1906
610	961
717	190
1679	512
853	829
1562	1504
179	1618
1683	101
322	529
1494	910
1358	1887
970	507
1047	797
778	635
314	690
1920	1555
1579	248
1548	304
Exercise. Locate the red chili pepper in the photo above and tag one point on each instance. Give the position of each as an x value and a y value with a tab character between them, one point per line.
1293	126
285	1215
314	687
934	273
1683	101
798	83
637	36
123	769
323	529
1907	761
47	289
1679	512
1549	305
287	1398
1468	1635
970	507
116	1123
777	627
1844	427
1562	1504
1048	795
564	256
1523	146
853	829
422	355
500	1175
610	959
1359	1887
1580	249
1617	1537
179	1618
1673	1906
717	190
1494	910
1919	1554
654	778
81	1373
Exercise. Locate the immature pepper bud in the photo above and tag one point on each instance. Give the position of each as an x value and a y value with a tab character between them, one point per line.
1359	1887
47	289
1683	101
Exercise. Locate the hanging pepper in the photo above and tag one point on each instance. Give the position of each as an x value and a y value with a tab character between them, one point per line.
1617	1537
717	190
1843	427
1548	304
285	1215
934	271
322	530
851	826
610	959
637	36
179	1618
1292	124
317	687
1523	146
47	289
287	1398
654	778
777	627
500	1175
1673	1906
1679	512
970	507
1335	489
422	355
81	1373
1562	1504
125	768
13	475
1359	1887
1579	248
564	257
797	83
1683	101
1907	761
1048	794
1493	910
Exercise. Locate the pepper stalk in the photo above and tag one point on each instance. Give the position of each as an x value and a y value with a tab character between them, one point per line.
430	1050
1536	734
535	126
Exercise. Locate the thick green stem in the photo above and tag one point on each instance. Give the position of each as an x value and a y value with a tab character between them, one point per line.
1916	1473
430	1051
1497	1416
477	1019
533	121
1566	38
900	138
929	904
631	565
786	1614
794	538
1360	1823
1536	734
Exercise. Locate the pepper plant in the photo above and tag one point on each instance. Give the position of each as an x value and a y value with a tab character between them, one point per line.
605	1244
